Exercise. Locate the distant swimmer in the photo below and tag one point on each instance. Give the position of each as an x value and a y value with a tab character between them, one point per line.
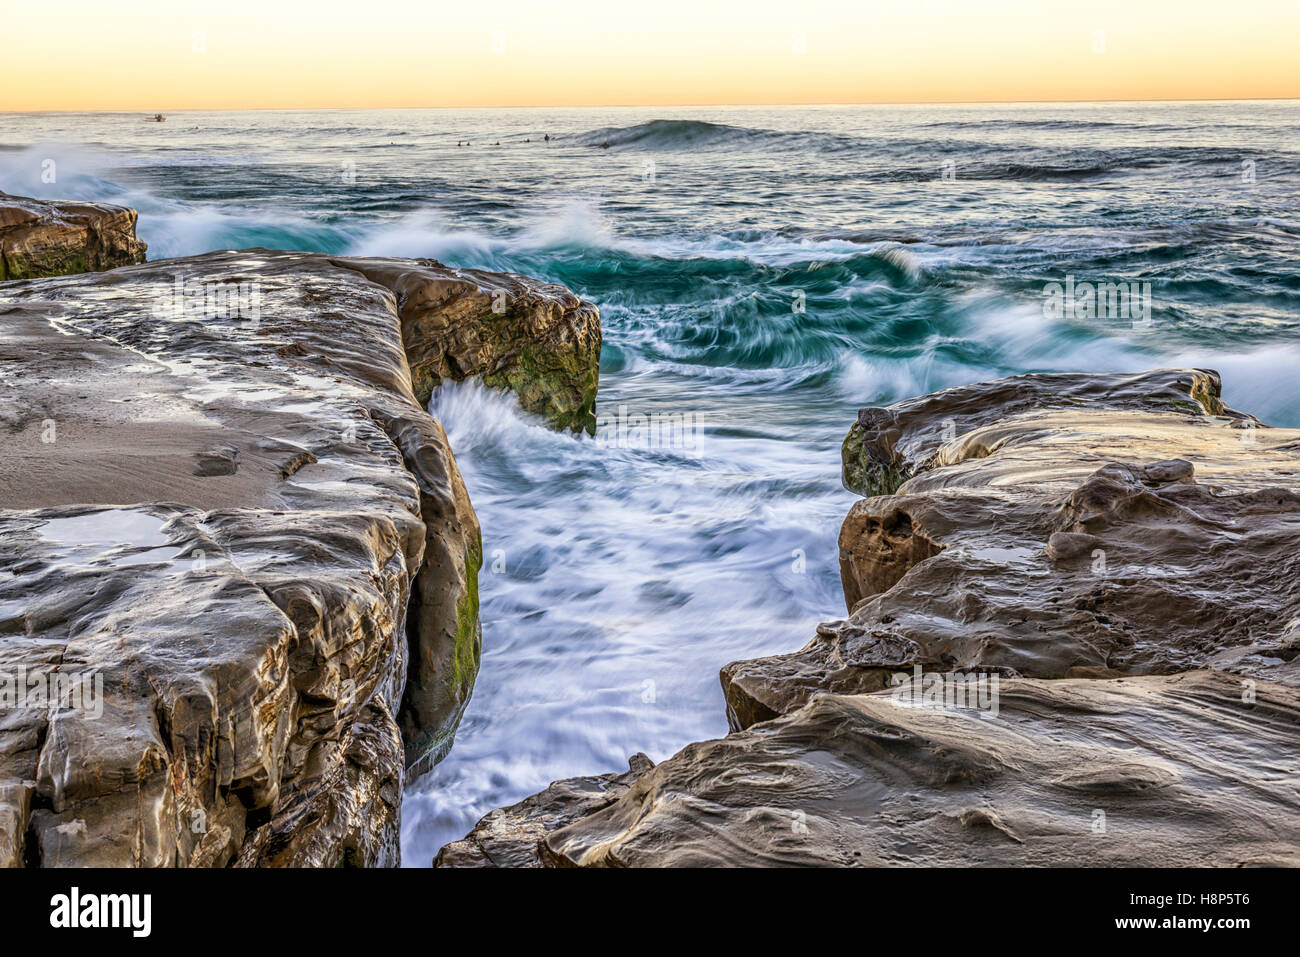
497	143
605	145
547	137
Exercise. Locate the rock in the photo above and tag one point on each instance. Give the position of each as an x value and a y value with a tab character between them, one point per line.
223	501
1100	541
39	238
1170	771
885	447
349	817
1073	639
536	339
515	836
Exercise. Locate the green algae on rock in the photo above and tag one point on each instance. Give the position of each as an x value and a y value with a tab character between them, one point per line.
536	339
40	239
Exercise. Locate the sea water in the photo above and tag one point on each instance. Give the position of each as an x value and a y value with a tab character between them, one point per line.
762	273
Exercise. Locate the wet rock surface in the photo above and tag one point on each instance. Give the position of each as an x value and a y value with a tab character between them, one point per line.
515	836
1114	561
1170	771
538	340
40	238
886	446
1097	542
222	499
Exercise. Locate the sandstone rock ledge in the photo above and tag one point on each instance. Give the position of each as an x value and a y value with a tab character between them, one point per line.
39	238
221	495
1121	554
536	340
1169	771
1150	531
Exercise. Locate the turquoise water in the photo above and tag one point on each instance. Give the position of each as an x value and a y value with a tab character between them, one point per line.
761	274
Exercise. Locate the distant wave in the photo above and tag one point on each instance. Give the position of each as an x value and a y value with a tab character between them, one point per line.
667	134
1082	125
1035	172
890	159
680	134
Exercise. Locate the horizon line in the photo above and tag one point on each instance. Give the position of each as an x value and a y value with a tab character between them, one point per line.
677	106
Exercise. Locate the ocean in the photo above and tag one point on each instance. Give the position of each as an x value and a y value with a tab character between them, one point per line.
761	273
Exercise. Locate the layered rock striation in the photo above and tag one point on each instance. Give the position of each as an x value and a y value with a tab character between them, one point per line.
1171	771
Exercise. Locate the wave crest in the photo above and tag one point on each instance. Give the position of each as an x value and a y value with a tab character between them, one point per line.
669	134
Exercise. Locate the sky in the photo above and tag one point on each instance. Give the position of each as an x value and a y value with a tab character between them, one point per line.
249	54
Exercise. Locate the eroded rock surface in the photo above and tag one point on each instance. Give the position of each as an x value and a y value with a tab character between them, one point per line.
219	495
39	238
1113	560
1173	771
515	836
886	446
1062	541
538	340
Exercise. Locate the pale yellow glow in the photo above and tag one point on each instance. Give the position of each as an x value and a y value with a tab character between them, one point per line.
89	54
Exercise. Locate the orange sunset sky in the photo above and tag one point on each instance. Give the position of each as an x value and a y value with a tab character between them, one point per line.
241	54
